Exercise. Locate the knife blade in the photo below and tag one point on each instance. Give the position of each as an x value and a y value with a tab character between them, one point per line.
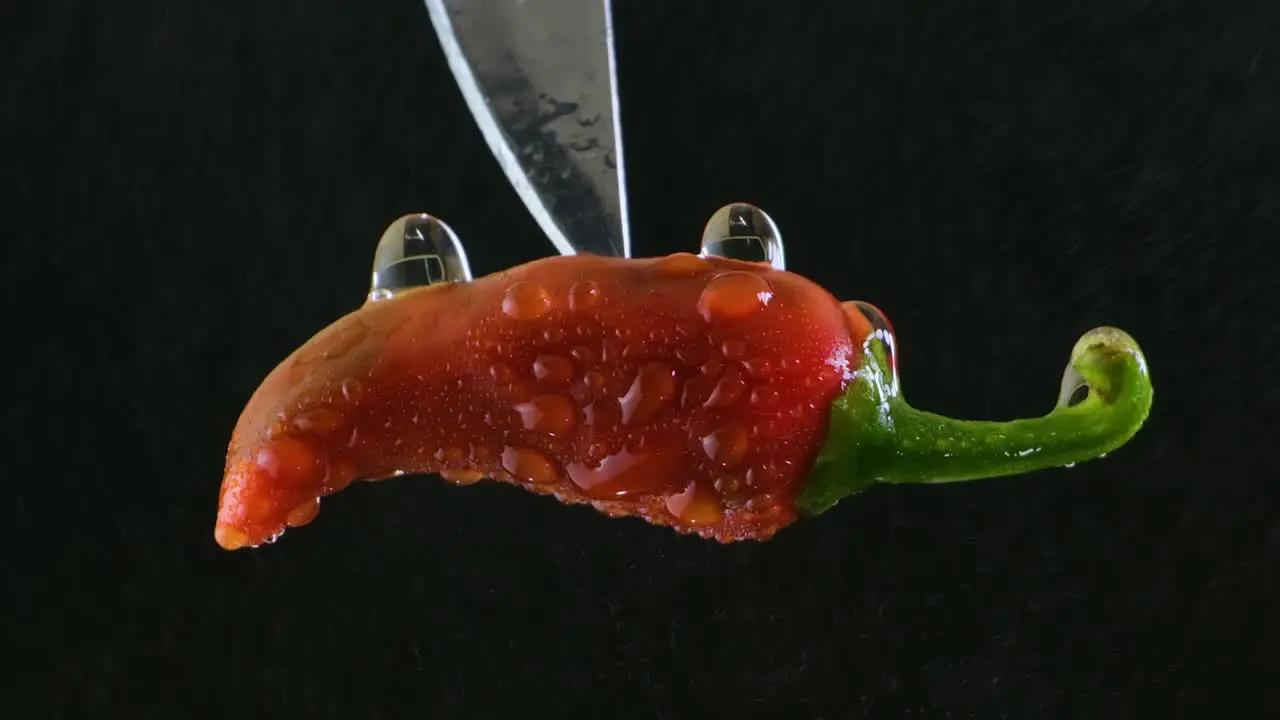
540	78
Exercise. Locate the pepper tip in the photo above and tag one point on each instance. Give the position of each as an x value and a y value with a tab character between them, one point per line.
1093	366
229	538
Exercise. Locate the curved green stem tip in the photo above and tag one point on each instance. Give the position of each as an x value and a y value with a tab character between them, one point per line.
874	436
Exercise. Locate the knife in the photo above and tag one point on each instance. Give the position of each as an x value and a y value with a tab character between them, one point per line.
540	78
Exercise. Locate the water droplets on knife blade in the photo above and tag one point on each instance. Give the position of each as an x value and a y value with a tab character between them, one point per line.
539	77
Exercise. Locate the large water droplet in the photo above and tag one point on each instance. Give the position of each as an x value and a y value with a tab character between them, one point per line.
629	472
726	445
727	391
553	370
881	328
695	506
650	393
879	321
526	301
303	513
462	476
733	296
551	414
743	232
529	465
417	250
1074	388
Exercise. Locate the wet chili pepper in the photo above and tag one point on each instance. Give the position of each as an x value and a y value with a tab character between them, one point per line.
717	397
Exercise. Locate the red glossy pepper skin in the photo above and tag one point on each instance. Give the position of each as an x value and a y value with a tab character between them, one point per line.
691	392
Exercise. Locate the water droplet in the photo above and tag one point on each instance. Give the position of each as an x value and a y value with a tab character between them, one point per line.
288	460
733	296
500	418
553	334
728	391
321	421
584	295
416	251
764	475
462	476
763	501
1074	388
529	465
727	485
650	393
695	506
741	231
595	383
867	320
450	455
352	390
711	368
583	355
733	349
304	513
525	301
758	367
341	474
550	414
553	370
726	445
276	429
765	395
500	373
680	264
875	316
608	351
629	472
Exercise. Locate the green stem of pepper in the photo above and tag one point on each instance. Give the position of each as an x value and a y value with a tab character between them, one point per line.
876	437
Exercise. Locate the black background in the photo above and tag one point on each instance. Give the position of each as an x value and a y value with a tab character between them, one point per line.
198	188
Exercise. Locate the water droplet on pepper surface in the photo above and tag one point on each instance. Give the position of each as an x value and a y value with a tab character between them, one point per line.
741	231
734	296
416	251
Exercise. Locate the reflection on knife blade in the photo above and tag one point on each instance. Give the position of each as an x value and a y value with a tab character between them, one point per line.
539	77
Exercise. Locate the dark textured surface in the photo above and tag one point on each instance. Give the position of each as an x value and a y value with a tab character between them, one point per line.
198	189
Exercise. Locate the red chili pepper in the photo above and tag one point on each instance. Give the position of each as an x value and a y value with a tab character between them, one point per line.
714	396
